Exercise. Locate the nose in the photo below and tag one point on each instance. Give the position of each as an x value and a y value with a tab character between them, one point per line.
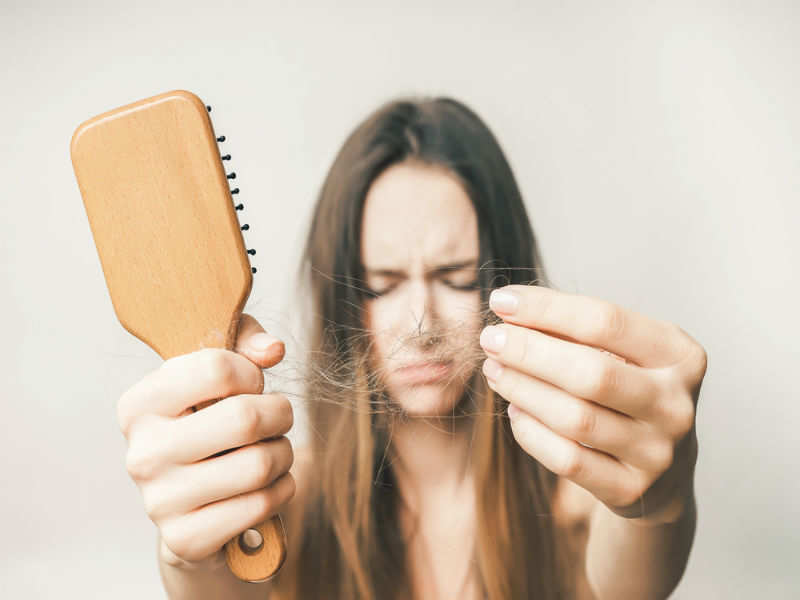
421	307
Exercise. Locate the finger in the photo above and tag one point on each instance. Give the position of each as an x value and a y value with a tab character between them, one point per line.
618	435
256	344
189	379
188	487
608	479
198	534
579	370
645	341
230	423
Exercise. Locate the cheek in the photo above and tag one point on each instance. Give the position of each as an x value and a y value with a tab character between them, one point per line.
378	326
461	312
465	304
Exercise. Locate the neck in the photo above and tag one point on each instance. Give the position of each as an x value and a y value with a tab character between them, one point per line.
431	458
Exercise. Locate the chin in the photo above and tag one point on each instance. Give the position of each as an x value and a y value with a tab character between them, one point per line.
427	400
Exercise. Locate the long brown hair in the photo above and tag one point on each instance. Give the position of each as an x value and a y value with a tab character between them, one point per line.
347	541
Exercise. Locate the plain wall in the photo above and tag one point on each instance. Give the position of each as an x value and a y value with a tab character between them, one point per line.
655	145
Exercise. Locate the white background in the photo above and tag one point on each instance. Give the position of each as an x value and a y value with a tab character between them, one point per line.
655	144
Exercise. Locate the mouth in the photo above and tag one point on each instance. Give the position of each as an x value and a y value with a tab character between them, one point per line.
422	373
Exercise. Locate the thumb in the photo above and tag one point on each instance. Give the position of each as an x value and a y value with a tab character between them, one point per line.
256	344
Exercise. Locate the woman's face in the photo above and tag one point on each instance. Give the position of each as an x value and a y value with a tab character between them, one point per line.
419	248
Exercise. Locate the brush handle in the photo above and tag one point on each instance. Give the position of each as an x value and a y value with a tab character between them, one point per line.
269	539
255	555
170	244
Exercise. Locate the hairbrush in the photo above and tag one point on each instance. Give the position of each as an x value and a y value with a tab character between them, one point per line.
165	225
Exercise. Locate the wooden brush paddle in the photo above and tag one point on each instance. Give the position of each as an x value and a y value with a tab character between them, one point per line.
171	248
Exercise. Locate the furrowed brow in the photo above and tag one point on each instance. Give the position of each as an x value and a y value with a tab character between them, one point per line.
437	270
455	266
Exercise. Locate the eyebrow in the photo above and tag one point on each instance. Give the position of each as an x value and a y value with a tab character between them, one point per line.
437	270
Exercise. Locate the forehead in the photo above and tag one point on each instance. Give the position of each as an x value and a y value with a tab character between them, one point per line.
416	213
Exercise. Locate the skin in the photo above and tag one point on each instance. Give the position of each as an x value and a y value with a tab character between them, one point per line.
420	248
618	422
426	277
633	408
602	396
199	503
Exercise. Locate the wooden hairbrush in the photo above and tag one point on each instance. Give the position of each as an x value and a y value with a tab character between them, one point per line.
171	248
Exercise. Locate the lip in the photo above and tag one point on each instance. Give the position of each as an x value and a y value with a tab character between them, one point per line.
424	372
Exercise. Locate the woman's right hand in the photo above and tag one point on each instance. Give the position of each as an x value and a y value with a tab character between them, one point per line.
197	500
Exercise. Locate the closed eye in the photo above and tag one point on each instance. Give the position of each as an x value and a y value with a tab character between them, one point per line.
465	287
373	293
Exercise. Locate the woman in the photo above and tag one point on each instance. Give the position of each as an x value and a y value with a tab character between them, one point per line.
472	435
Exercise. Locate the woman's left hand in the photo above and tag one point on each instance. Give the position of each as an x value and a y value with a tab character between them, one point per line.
618	421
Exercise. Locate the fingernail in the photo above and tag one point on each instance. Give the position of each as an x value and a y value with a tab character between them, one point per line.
492	369
261	341
503	301
493	338
513	411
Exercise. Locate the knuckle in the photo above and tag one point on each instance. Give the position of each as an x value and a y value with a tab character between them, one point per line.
192	551
219	368
288	412
571	464
696	356
582	422
245	418
268	501
702	358
682	415
630	493
178	543
282	456
290	487
141	464
283	411
289	449
612	322
661	455
607	323
698	361
676	404
171	540
264	463
264	503
152	504
284	490
602	378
